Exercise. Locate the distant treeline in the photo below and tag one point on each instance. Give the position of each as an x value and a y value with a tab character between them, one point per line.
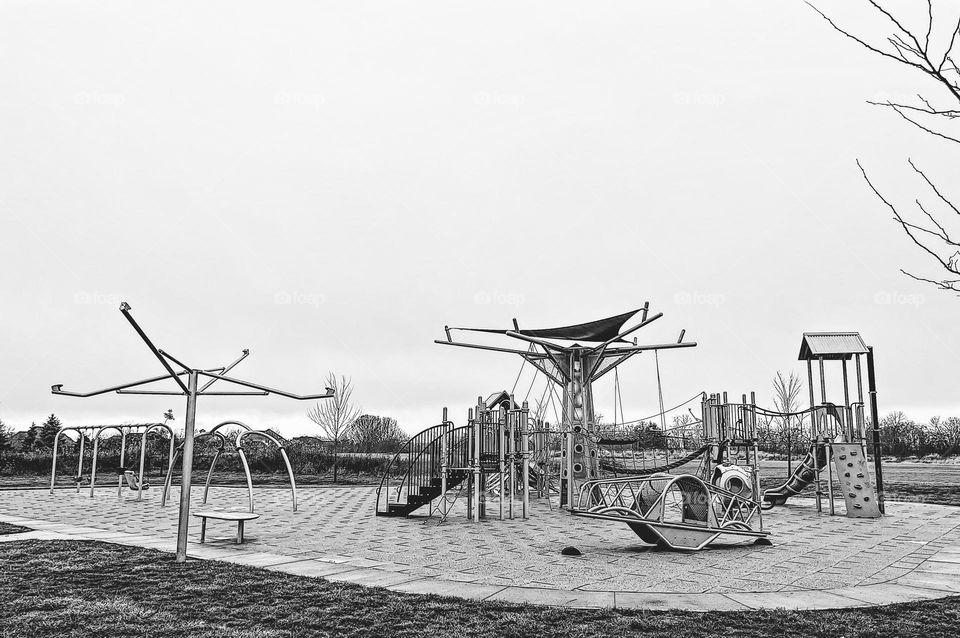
367	451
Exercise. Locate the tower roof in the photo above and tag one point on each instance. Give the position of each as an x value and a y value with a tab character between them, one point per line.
831	345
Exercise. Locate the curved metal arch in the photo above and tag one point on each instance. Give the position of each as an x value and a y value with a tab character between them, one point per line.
143	452
56	447
122	431
246	467
168	480
214	431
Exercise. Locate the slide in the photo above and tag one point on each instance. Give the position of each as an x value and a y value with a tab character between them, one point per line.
803	476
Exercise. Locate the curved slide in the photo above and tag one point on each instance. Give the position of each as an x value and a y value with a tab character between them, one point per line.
803	476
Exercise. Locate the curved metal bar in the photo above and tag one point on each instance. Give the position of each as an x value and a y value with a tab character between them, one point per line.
176	452
56	447
96	450
123	451
283	454
143	452
169	478
213	464
224	423
246	470
293	482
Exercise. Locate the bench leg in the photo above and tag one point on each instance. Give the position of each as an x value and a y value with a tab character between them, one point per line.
239	532
203	529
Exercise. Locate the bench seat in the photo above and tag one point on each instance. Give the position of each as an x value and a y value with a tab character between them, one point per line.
239	517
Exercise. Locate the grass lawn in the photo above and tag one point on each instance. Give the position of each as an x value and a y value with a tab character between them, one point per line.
71	588
7	528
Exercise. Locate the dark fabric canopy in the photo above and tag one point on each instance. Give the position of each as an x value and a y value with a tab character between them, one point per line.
592	331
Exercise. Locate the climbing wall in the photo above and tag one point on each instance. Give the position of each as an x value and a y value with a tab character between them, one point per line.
854	477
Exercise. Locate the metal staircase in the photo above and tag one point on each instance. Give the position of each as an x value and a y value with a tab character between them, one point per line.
428	466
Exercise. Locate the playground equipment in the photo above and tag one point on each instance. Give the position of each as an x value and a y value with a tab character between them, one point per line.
489	456
673	511
838	432
687	511
93	433
492	455
576	368
191	391
221	440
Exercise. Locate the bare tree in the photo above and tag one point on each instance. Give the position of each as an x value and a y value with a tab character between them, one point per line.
930	51
786	399
335	415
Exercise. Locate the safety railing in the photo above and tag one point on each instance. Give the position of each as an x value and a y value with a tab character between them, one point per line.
423	460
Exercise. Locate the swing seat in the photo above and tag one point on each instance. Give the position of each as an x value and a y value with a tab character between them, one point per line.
132	481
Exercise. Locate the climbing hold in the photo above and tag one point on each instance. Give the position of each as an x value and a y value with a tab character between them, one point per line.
843	457
847	474
571	551
853	452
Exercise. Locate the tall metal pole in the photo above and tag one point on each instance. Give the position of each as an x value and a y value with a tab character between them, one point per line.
875	416
828	443
189	425
814	434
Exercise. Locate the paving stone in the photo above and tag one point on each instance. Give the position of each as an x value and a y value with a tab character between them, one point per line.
335	533
686	602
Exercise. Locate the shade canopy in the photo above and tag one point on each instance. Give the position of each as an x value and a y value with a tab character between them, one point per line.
831	345
598	331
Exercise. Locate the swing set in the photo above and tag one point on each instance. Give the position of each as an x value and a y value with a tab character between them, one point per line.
94	433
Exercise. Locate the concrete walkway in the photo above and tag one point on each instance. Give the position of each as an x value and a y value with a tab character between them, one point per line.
816	562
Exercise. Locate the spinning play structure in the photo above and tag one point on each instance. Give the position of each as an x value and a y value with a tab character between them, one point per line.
186	383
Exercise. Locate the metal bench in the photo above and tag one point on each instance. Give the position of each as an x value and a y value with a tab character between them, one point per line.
239	517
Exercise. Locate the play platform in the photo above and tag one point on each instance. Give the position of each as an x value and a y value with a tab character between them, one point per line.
816	561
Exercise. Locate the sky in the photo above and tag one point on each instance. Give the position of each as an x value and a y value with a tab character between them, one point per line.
329	184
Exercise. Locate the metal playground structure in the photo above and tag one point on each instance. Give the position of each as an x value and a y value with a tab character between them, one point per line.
220	440
507	454
187	381
93	433
838	431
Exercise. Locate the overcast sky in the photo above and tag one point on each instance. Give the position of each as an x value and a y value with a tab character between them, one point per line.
329	184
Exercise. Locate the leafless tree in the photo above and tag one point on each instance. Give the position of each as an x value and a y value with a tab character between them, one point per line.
786	399
335	415
930	50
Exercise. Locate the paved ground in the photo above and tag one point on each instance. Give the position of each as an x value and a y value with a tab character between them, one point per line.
816	561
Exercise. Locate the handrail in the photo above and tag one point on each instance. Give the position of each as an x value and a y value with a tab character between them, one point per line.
405	450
